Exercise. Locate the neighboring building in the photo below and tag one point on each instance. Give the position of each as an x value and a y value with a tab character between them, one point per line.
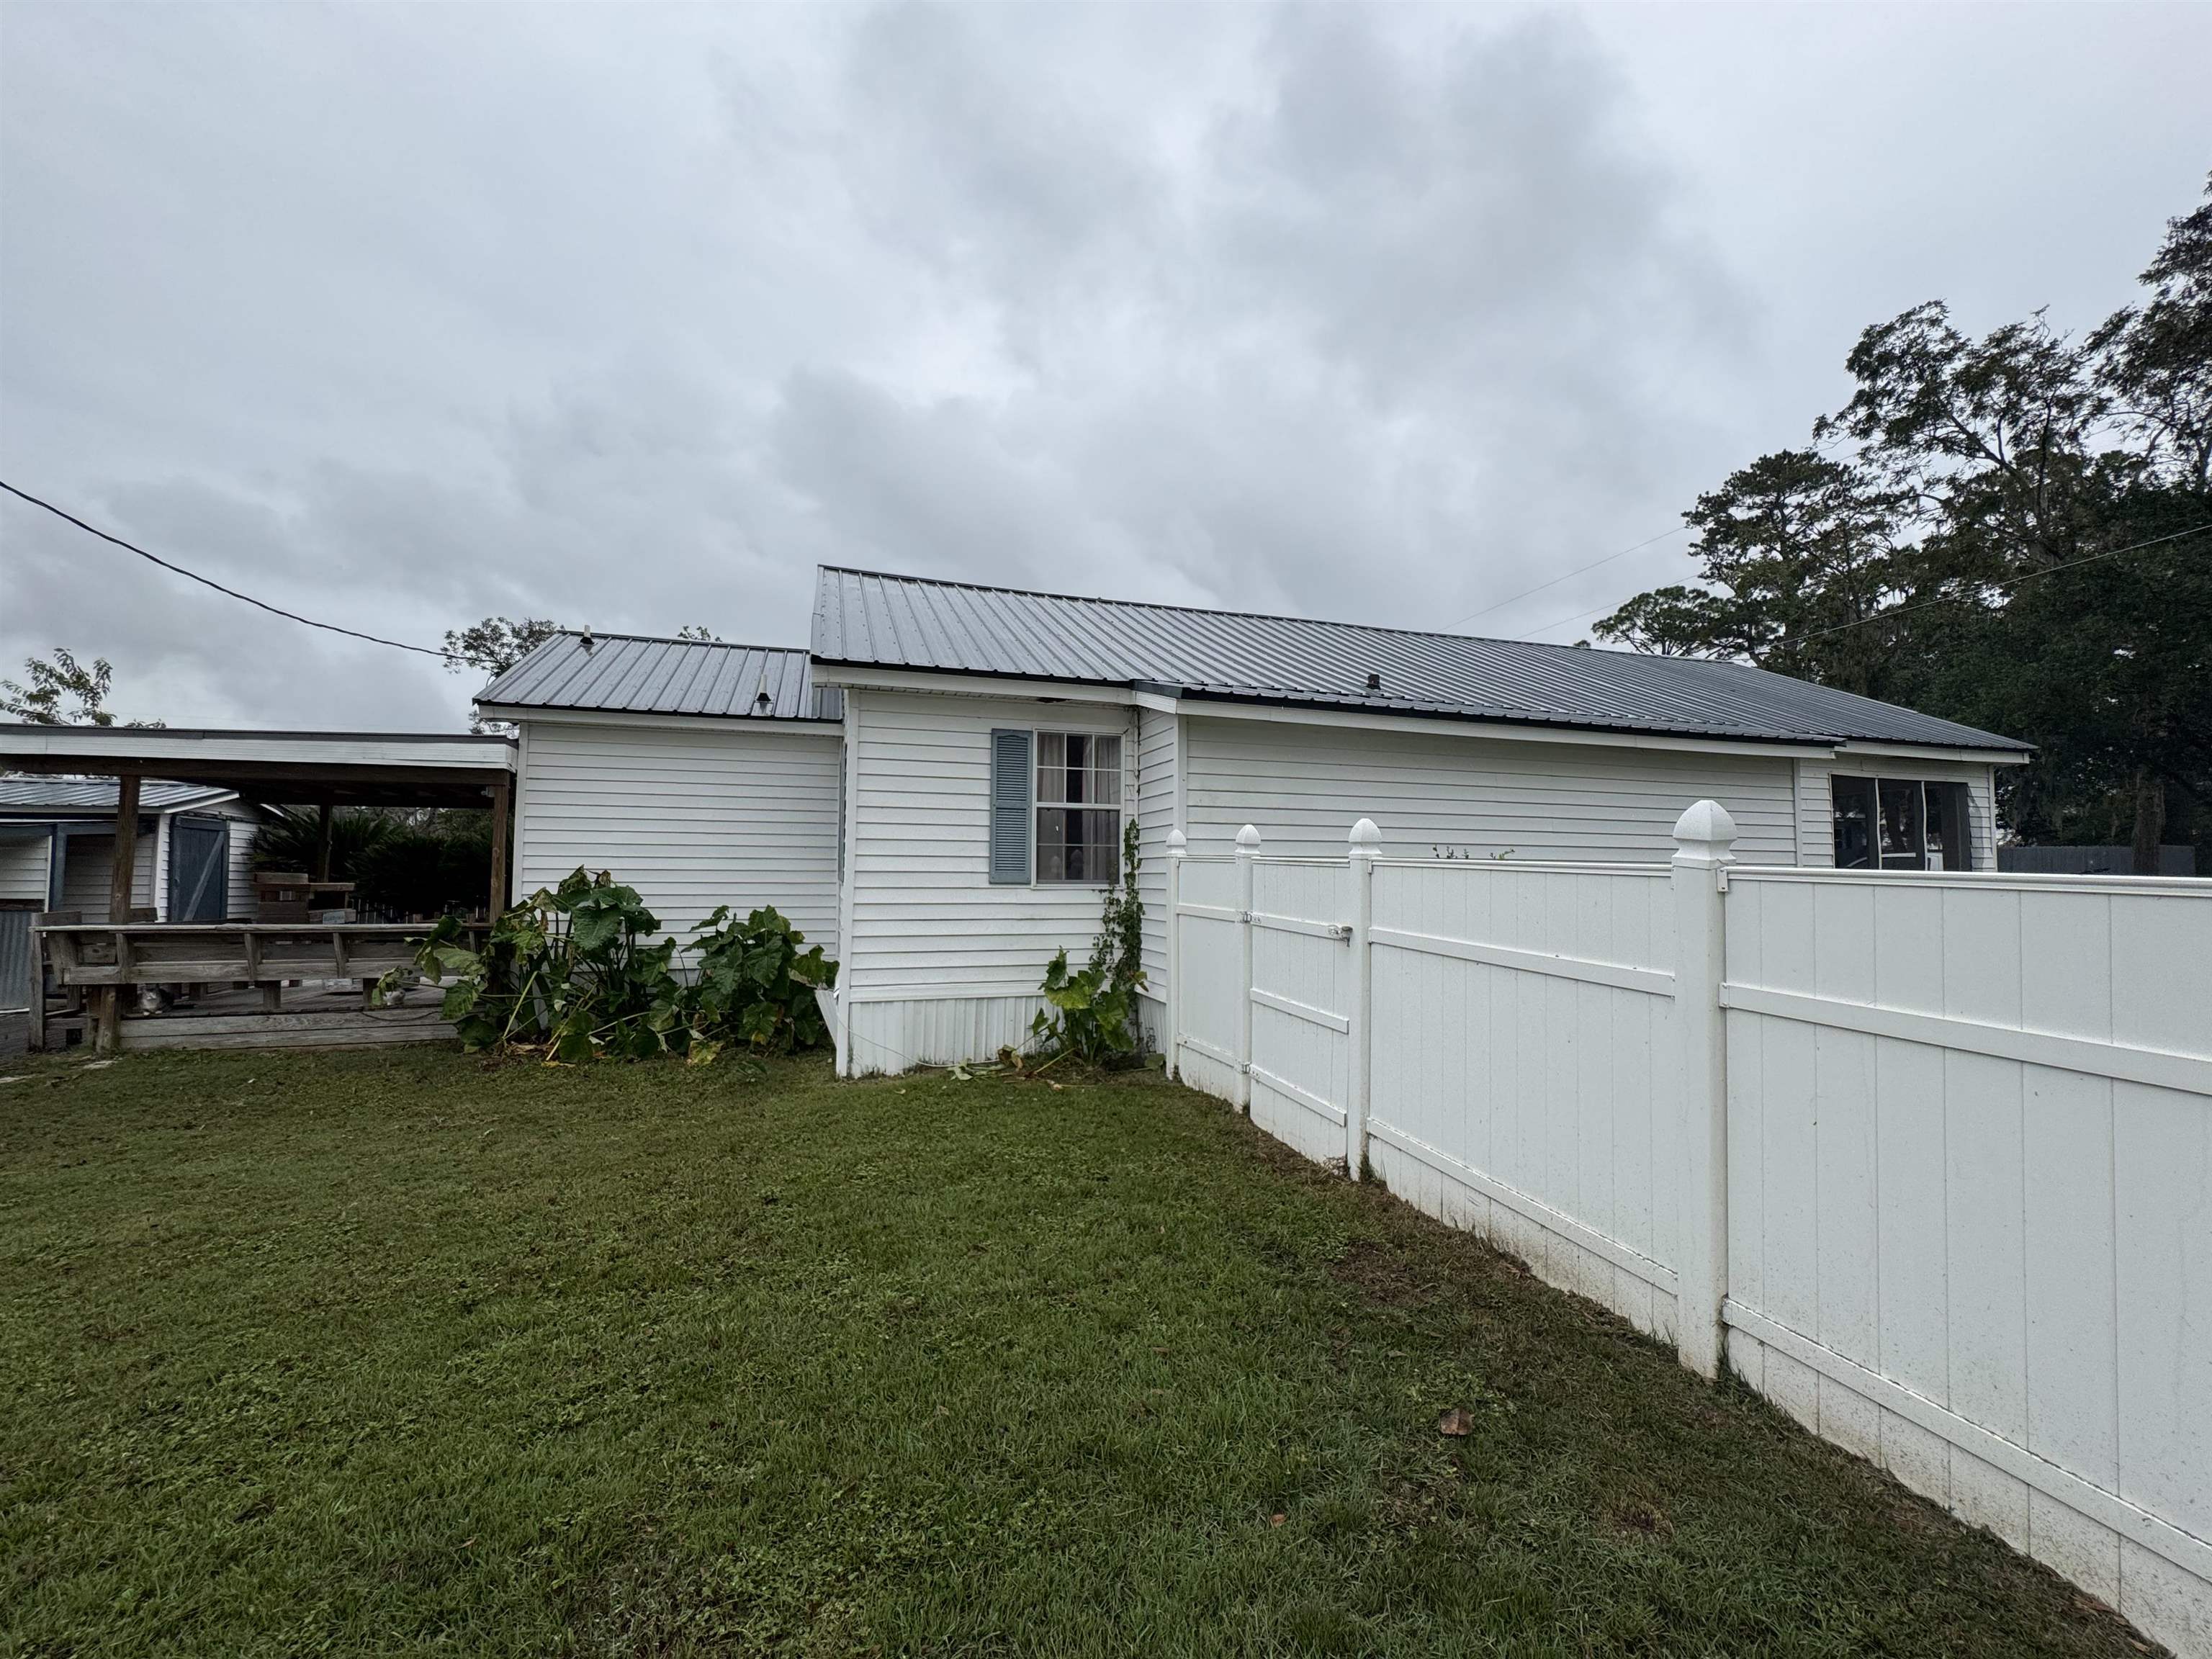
995	739
195	849
699	772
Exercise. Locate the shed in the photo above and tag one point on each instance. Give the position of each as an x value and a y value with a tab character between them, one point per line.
700	772
57	846
996	740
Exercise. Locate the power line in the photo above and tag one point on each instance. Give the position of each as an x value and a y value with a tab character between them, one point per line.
1569	576
2000	587
1884	615
205	581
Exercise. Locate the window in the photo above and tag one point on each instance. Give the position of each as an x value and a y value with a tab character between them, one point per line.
1078	806
1900	824
1055	807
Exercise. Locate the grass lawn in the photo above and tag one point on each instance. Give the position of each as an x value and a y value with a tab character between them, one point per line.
387	1353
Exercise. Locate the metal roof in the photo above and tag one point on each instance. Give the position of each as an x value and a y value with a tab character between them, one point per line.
637	674
97	794
867	619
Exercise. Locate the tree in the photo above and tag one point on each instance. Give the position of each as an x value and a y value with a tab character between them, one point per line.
2015	532
698	631
495	644
2156	360
1794	548
64	679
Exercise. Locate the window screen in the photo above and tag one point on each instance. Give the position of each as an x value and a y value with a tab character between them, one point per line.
1078	806
1854	805
1900	824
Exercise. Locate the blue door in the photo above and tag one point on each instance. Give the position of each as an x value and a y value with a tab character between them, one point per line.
199	869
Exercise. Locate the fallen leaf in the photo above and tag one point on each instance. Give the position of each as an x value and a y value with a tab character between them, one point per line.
1458	1422
1276	1518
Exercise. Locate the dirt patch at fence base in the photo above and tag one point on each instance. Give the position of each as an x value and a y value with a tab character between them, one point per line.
1382	1274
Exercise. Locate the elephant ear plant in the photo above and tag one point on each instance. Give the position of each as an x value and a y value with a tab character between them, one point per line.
566	974
754	982
1091	1013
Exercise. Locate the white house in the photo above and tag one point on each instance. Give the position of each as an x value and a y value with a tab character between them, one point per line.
58	840
995	739
701	773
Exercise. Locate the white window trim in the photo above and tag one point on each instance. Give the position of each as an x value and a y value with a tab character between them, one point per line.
1121	808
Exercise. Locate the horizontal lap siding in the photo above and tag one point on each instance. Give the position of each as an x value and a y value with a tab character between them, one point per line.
86	876
692	818
928	924
1303	785
1816	825
23	867
1155	807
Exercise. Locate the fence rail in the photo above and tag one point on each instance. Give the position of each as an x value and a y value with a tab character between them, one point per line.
1925	1157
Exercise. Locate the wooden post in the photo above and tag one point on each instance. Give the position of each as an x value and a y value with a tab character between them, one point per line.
503	796
1248	848
322	872
124	866
1178	850
107	1026
1366	846
1703	836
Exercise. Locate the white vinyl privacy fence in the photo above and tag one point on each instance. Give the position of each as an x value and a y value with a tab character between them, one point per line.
1925	1158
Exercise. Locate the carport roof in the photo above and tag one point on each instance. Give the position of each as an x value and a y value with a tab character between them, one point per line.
291	768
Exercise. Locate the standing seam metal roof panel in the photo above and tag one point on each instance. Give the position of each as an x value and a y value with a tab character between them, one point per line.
634	674
865	619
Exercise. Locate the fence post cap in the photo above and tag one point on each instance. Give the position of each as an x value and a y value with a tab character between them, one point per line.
1178	844
1705	827
1248	839
1366	839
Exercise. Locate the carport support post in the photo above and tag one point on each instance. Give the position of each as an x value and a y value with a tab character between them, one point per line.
121	872
1178	850
1248	848
501	801
1703	837
1366	846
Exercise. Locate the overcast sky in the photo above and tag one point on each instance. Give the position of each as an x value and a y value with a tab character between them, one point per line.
400	316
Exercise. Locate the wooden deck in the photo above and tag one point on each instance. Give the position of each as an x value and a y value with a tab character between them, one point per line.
215	985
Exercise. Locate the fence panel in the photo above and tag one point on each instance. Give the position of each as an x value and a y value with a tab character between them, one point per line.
1212	973
1970	1203
1301	990
1523	1031
1935	1150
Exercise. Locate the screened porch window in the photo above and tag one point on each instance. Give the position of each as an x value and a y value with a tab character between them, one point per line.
1078	806
1900	824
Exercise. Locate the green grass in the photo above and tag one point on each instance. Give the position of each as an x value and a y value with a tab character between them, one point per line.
398	1353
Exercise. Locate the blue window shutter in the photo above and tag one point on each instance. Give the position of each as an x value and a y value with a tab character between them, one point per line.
1010	808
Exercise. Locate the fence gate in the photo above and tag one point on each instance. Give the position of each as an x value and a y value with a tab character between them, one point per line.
1301	1067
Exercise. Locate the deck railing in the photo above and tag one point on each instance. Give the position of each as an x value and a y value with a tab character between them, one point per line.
101	959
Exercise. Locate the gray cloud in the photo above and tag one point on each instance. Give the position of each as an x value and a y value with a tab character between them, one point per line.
404	316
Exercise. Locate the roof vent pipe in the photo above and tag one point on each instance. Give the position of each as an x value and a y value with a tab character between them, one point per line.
1373	682
587	639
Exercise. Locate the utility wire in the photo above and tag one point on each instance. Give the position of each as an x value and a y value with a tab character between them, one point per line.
1473	615
205	581
2048	570
1884	615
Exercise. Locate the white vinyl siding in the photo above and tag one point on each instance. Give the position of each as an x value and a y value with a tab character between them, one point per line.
1303	785
1816	826
23	858
692	817
245	825
91	865
1156	815
926	921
